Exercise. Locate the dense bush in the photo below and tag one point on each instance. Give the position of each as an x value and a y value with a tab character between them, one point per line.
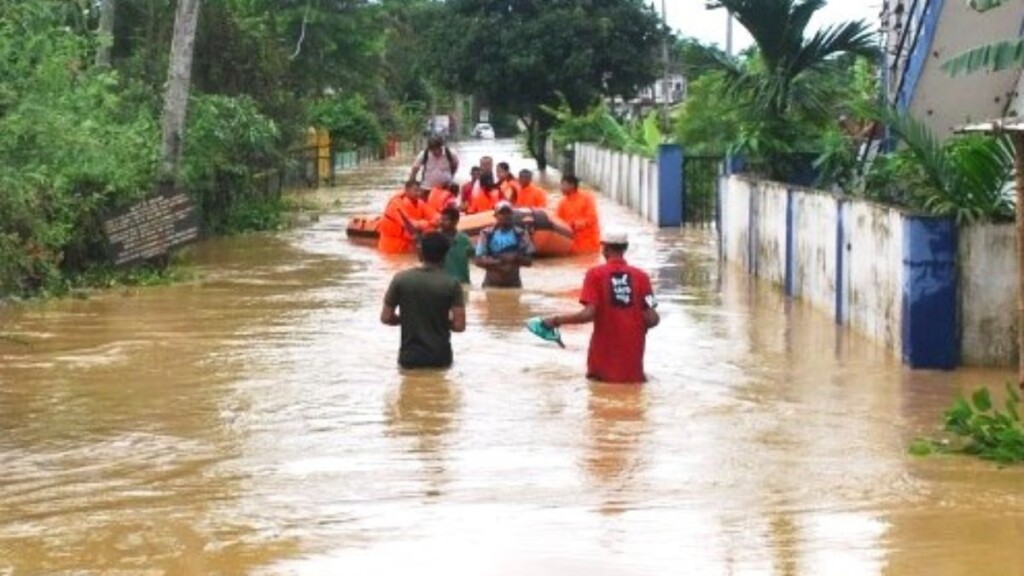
228	140
349	121
73	146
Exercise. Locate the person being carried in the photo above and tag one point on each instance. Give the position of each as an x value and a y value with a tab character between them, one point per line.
456	263
579	210
429	305
530	195
507	183
438	163
406	216
619	300
503	249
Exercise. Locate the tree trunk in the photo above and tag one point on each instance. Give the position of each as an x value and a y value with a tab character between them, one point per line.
179	79
106	33
1018	147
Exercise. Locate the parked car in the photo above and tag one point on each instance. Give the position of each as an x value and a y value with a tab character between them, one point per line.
483	131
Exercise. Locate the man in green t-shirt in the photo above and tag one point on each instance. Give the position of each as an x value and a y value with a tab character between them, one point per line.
429	305
460	246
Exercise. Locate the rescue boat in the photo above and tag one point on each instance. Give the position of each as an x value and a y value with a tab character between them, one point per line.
550	236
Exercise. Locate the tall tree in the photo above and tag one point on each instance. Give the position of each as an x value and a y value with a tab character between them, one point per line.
179	79
785	80
108	9
520	56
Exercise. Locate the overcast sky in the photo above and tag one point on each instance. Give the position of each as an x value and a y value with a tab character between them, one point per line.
692	19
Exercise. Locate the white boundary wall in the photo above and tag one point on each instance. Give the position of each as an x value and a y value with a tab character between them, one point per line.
628	179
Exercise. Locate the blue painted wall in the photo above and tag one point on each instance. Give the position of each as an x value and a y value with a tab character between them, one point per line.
930	335
670	185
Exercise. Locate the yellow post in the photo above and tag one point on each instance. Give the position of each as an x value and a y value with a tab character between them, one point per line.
323	141
309	157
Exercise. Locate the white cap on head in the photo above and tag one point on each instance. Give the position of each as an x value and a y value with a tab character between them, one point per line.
502	206
615	237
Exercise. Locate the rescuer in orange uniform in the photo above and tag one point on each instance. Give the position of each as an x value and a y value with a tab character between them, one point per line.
441	196
507	183
406	216
485	197
579	210
530	195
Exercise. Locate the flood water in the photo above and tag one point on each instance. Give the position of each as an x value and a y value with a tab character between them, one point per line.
254	422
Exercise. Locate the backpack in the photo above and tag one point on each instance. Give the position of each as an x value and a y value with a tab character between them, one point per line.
447	154
485	237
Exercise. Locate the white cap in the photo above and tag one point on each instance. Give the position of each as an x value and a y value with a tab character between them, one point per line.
502	206
615	237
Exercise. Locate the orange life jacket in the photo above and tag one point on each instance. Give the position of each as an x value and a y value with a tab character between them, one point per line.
579	211
395	237
439	199
531	196
483	201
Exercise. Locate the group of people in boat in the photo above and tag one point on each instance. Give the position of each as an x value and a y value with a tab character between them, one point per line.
428	301
437	203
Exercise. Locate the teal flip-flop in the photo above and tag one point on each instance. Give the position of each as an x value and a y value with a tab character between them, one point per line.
536	325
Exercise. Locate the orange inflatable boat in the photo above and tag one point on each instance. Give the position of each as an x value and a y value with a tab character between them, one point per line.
551	236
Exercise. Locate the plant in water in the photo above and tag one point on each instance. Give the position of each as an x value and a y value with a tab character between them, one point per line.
982	429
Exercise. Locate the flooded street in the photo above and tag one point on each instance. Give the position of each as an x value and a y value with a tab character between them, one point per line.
254	422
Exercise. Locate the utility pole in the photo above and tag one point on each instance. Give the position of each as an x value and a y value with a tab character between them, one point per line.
728	33
665	81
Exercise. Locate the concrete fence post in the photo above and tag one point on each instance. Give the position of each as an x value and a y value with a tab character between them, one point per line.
670	185
929	316
790	277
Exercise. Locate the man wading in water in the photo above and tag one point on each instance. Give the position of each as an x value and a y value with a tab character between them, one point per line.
503	249
428	304
619	300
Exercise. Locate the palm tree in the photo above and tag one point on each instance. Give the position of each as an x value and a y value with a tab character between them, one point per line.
784	80
995	57
788	56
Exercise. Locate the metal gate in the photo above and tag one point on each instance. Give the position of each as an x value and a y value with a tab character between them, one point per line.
700	189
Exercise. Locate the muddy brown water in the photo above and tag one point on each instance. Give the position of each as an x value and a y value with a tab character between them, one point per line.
254	422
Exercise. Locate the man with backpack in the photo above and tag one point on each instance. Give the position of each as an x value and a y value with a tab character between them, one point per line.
438	163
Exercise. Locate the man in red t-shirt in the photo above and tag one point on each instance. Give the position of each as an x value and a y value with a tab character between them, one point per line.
619	300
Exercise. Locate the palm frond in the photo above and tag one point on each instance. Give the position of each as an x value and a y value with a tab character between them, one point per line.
922	143
985	5
994	57
849	38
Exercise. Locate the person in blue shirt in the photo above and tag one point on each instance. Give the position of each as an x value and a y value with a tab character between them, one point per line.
503	249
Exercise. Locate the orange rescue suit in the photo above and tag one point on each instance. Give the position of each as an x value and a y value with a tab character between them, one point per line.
531	196
395	238
579	210
439	199
482	201
510	190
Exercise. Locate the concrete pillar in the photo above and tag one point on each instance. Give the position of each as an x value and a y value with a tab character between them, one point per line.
670	185
929	315
643	177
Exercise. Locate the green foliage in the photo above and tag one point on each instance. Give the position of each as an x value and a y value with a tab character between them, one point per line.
73	145
709	122
786	95
520	56
228	140
349	121
599	126
982	429
965	178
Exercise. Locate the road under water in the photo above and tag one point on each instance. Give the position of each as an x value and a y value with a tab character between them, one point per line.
253	421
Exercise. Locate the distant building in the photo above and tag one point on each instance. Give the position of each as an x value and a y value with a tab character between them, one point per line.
671	91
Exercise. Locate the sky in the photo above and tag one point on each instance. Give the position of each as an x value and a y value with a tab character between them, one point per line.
692	19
